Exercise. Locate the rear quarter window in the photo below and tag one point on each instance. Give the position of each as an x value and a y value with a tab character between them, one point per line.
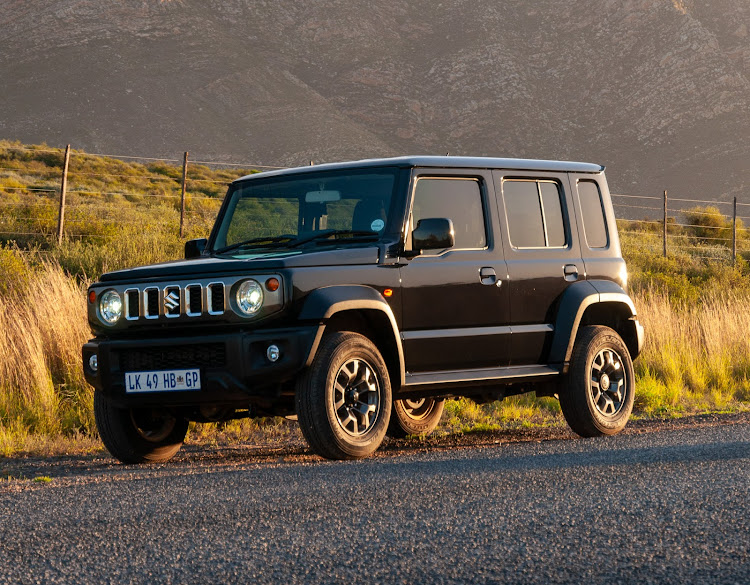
592	210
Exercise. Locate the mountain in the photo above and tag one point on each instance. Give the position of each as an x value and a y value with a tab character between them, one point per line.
657	90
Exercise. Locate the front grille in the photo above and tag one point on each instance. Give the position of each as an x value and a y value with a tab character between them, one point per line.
175	300
194	299
216	298
209	355
152	303
172	301
133	305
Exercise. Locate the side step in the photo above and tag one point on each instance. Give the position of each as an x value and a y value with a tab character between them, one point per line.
509	374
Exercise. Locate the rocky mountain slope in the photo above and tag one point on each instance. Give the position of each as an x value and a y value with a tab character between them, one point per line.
658	90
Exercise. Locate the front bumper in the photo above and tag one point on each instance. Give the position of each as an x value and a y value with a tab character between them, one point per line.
234	369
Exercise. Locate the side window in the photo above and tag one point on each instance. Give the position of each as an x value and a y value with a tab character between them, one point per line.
460	200
535	214
592	210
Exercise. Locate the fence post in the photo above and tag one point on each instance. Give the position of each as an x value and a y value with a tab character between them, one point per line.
63	191
184	188
665	223
734	232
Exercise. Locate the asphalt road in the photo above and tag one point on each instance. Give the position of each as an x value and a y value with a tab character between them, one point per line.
669	506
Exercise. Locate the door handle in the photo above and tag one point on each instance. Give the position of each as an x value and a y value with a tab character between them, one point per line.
571	272
487	276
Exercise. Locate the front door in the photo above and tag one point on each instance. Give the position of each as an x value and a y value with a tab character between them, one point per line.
455	301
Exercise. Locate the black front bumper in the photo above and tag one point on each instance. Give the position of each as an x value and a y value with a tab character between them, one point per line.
234	368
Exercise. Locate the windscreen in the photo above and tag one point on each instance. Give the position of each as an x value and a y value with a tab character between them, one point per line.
323	207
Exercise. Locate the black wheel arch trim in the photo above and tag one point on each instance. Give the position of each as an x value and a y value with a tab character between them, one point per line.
323	303
576	299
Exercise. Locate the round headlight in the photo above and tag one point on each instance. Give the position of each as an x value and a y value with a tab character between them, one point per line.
249	297
110	307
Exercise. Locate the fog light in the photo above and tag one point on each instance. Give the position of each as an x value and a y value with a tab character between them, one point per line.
273	353
94	363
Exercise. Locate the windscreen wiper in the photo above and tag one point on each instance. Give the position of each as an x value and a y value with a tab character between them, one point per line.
262	242
326	234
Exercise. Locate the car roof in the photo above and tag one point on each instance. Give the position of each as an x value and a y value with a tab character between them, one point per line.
441	162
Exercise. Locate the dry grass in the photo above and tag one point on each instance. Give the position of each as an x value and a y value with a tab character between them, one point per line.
696	359
42	388
697	356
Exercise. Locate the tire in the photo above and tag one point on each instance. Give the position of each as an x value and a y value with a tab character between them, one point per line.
138	435
415	417
343	399
597	397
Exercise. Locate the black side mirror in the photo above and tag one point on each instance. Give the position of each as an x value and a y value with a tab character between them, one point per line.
433	233
194	248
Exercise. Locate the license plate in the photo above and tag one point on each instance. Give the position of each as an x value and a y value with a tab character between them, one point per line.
163	381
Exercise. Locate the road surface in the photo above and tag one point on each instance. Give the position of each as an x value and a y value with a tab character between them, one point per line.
669	505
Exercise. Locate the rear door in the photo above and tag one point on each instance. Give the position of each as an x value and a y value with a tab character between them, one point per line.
597	228
455	304
542	252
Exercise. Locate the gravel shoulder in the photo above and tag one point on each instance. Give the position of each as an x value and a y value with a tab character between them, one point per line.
19	473
665	502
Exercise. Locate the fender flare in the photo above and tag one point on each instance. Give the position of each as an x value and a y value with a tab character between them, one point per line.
575	300
323	303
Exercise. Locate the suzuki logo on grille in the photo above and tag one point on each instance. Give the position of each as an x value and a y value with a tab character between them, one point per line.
172	301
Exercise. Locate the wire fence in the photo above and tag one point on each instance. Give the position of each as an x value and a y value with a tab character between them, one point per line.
51	194
706	229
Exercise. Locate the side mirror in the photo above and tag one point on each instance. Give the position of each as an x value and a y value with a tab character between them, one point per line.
194	248
434	233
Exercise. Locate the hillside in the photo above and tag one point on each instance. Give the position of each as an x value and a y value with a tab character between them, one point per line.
658	90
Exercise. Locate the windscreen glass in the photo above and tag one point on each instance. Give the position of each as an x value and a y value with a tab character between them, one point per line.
307	209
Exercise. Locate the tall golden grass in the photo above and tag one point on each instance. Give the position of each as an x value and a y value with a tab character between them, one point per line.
42	388
696	356
696	359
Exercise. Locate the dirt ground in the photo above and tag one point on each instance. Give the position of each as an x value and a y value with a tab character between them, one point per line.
35	472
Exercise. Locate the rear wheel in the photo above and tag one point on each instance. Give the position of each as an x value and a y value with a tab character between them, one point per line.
600	387
415	417
138	435
344	398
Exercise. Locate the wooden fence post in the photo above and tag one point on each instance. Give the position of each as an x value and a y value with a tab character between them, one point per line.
184	188
734	232
665	223
63	191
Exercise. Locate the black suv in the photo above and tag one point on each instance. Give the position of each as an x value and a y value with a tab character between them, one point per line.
358	296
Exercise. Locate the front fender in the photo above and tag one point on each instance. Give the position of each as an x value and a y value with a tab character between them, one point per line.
323	303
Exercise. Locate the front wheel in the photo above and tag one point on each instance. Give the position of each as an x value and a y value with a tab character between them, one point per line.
138	435
344	398
598	394
415	417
